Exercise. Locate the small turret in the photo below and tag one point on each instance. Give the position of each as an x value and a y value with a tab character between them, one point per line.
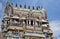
44	13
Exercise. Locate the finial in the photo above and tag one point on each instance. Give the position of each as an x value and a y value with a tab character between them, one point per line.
20	6
41	7
7	3
33	7
25	6
28	7
12	3
38	7
16	5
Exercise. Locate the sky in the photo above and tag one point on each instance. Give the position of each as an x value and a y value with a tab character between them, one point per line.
52	8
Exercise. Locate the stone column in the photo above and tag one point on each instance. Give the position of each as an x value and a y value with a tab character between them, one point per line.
23	23
36	24
33	23
29	22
